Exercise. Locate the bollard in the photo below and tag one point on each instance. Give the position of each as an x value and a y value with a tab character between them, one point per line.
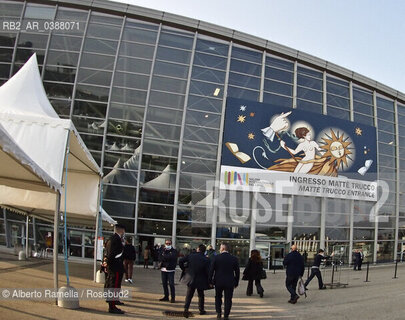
396	267
333	273
368	265
274	269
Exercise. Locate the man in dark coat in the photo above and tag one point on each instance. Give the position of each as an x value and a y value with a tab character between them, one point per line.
224	274
196	267
358	259
315	270
115	268
294	264
168	259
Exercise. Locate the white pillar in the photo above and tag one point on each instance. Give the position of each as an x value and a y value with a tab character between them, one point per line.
253	222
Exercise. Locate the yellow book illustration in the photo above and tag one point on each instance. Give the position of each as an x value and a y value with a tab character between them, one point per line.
233	147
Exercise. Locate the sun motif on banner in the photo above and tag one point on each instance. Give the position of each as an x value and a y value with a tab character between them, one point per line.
241	119
336	148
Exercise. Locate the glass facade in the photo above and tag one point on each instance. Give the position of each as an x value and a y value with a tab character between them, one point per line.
148	99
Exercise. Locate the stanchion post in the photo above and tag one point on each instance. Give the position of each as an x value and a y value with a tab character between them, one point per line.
368	266
333	273
396	267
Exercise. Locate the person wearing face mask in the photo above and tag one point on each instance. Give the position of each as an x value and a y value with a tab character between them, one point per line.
115	268
168	261
315	270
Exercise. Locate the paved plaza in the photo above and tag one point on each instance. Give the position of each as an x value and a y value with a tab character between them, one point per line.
381	298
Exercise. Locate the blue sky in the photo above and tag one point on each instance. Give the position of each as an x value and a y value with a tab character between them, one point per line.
366	36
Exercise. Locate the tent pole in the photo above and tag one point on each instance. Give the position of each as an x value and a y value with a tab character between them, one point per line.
8	244
95	247
55	244
27	236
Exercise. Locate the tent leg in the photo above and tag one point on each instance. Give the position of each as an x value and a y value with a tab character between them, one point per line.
95	247
27	236
55	244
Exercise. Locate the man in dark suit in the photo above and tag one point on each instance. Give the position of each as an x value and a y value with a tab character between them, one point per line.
295	268
115	268
224	274
196	267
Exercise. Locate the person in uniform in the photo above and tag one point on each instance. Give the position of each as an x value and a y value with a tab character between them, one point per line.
315	270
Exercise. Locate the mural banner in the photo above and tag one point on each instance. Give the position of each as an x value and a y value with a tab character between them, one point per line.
290	151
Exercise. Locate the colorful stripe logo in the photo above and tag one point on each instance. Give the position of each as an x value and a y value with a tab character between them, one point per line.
233	177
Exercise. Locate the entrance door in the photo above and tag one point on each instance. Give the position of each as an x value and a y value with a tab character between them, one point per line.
273	253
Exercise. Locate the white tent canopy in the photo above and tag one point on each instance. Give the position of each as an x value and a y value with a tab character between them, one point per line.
29	118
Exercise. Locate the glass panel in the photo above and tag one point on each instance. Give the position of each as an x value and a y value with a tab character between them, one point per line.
193	229
310	72
167	148
208	75
201	134
136	50
103	31
62	107
246	54
206	89
6	55
278	63
244	81
156	163
119	193
362	95
309	82
385	104
130	80
102	78
168	84
162	131
198	166
204	104
92	109
337	233
62	58
309	94
385	251
305	233
363	119
176	41
307	218
138	35
71	14
174	55
363	108
337	89
386	126
155	227
203	119
126	112
238	232
35	11
128	96
170	69
385	115
92	93
155	211
33	40
196	181
211	61
243	94
97	61
199	150
166	116
363	234
119	209
100	46
22	56
278	87
9	9
92	142
246	68
123	128
105	18
212	47
7	39
337	220
54	90
165	99
338	101
280	75
134	65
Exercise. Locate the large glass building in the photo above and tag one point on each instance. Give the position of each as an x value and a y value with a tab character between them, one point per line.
147	91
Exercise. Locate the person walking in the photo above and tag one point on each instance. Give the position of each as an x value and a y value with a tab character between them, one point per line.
253	272
294	264
129	256
315	270
115	268
146	254
155	256
168	260
196	267
224	274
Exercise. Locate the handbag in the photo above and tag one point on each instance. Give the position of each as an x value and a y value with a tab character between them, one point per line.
263	274
301	287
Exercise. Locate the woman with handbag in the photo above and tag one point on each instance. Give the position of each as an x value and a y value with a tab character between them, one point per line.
254	272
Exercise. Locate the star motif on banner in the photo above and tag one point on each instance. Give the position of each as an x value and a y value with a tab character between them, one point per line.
358	131
241	119
242	108
252	114
251	136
